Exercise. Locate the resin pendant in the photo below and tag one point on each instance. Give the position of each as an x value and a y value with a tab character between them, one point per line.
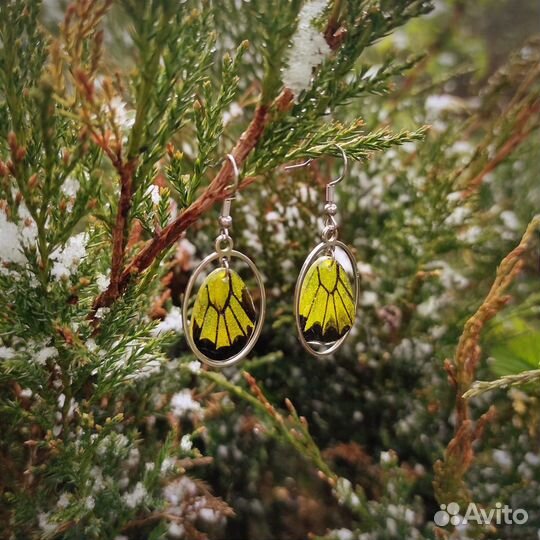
327	307
223	316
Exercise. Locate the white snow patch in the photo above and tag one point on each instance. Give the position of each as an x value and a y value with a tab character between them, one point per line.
66	258
308	50
182	403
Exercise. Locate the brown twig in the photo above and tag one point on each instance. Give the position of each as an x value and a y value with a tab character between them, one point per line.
449	473
334	34
121	231
215	192
152	518
523	128
120	234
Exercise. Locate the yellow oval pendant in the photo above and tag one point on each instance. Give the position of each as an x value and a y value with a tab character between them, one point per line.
326	307
223	316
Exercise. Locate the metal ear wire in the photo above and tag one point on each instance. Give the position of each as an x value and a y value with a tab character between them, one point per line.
330	187
330	207
234	187
224	242
298	165
345	168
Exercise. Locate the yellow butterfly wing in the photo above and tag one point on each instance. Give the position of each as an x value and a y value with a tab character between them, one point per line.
223	316
326	309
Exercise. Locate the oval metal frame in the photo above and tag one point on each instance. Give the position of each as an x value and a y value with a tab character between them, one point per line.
305	267
258	326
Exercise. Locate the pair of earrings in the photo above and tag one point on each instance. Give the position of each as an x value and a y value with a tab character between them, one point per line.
224	324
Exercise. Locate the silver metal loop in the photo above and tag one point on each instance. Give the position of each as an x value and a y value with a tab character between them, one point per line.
311	258
224	261
258	325
330	230
329	234
224	244
330	221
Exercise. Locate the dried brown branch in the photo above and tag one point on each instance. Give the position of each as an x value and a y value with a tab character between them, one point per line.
121	228
334	33
79	31
174	515
153	518
216	191
515	379
449	481
126	170
522	130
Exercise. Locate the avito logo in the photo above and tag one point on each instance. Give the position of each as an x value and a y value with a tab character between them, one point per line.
500	515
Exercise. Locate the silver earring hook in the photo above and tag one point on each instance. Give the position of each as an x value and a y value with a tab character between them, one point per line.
345	168
330	191
224	242
333	182
330	187
234	187
298	165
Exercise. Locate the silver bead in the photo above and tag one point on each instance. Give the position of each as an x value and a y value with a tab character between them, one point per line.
330	208
225	221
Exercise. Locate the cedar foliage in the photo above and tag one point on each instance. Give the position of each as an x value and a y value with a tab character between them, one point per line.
114	125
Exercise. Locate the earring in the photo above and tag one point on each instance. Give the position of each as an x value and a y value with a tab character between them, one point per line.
325	303
224	324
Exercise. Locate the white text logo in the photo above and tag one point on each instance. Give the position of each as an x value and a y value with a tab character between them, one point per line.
500	515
